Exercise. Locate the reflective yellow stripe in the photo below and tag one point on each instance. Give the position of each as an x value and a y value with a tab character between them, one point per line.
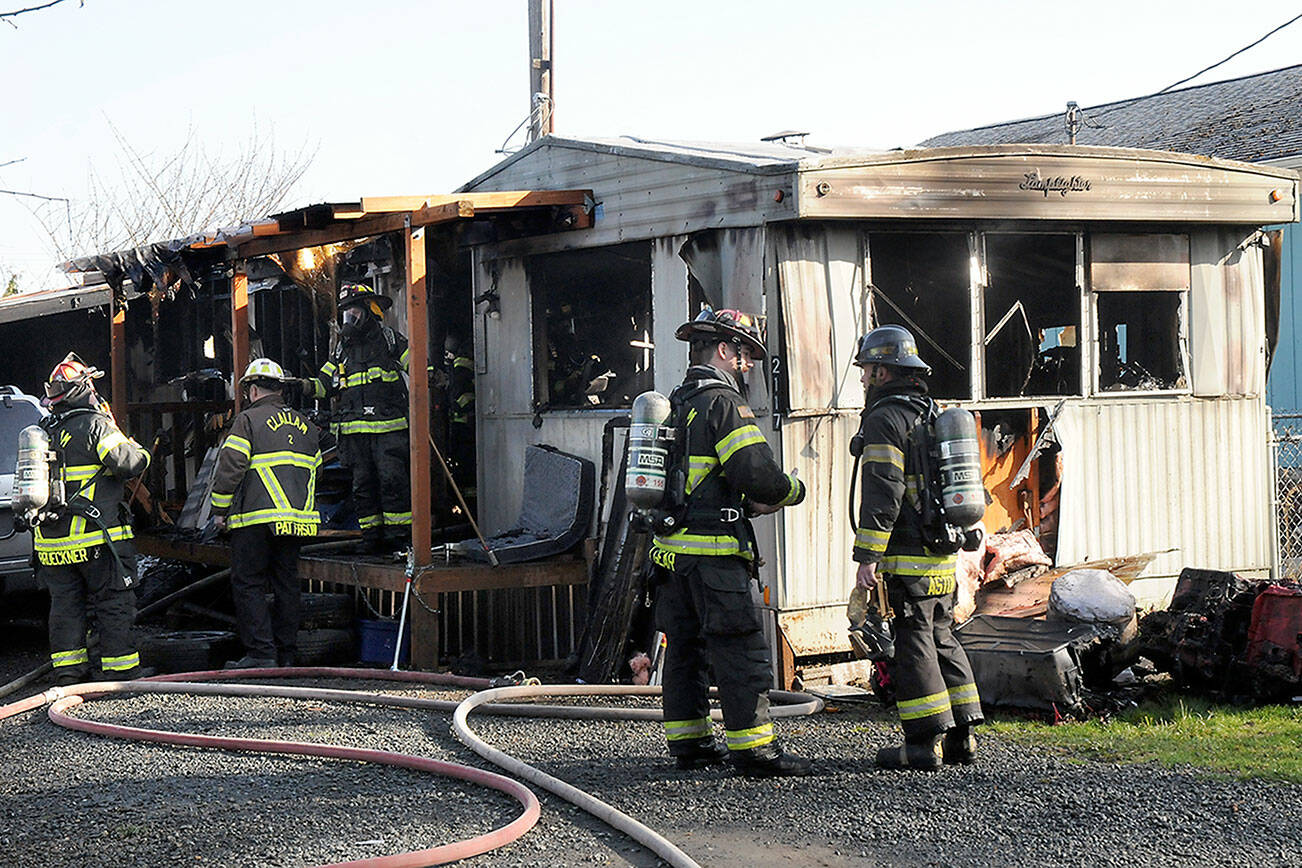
319	388
740	438
272	486
964	694
109	441
467	398
685	730
69	658
236	443
691	414
358	426
463	362
371	375
745	739
221	500
698	467
884	453
793	494
368	521
404	358
80	472
329	369
79	540
923	706
921	566
286	458
870	540
266	516
119	664
683	543
397	517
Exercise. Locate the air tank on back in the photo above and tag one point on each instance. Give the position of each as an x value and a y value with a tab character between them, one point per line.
33	487
962	495
648	455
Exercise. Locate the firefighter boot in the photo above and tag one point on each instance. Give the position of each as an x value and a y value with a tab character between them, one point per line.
959	746
700	753
769	761
921	753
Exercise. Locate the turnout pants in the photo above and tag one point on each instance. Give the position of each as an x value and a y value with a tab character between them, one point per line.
934	688
704	608
260	560
380	465
91	585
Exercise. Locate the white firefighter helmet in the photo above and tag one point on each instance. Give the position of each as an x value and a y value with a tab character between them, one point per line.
263	371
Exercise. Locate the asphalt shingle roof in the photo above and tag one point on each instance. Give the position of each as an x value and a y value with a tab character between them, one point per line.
1254	119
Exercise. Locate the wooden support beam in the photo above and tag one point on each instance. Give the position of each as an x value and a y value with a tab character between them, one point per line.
239	331
360	228
418	393
118	357
424	634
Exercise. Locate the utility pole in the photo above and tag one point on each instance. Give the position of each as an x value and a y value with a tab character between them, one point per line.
541	104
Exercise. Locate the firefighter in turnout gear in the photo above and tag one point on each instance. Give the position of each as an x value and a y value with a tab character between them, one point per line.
264	493
706	562
934	690
461	413
365	376
84	555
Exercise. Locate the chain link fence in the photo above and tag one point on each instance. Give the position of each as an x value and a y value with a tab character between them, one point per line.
1286	444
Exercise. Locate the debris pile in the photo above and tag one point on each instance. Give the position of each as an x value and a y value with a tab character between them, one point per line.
1230	636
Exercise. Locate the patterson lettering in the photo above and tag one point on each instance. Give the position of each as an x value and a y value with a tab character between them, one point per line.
1057	184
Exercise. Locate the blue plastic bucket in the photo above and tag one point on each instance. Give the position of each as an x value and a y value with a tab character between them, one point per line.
376	640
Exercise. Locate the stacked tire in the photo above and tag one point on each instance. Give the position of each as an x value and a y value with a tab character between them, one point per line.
326	636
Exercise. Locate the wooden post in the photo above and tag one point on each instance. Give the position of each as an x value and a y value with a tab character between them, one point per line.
239	326
418	410
540	68
118	359
424	631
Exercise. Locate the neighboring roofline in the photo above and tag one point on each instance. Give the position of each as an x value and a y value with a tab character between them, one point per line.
1119	102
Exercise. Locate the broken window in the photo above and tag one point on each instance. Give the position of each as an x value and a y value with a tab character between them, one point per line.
1140	283
921	281
591	326
1032	316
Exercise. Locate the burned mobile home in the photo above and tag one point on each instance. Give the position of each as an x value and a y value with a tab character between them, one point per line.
1105	311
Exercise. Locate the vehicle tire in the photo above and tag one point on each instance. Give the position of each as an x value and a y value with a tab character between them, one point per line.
325	647
188	650
326	610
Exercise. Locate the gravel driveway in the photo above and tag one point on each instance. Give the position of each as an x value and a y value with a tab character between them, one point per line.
70	799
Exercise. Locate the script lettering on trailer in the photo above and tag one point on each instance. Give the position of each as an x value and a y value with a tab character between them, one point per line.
1057	184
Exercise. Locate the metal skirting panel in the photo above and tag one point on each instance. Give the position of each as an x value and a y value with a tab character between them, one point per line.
1187	474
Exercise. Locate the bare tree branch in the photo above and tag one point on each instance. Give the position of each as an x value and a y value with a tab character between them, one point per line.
8	16
186	191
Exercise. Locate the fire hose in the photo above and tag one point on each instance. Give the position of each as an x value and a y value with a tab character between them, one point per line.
62	699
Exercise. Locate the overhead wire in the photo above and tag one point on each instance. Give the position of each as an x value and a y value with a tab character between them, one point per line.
1120	105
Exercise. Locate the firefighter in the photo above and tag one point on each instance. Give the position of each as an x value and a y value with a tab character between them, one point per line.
934	690
264	492
704	569
85	556
460	371
365	375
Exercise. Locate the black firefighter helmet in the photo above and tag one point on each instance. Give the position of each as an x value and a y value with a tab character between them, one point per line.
890	345
734	326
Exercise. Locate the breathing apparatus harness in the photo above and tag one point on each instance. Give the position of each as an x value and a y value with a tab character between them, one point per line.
75	503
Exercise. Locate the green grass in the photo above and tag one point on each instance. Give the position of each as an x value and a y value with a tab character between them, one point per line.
1178	730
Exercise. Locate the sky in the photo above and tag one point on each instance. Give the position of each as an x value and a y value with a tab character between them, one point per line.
416	96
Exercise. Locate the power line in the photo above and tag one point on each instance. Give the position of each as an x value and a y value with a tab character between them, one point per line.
1190	78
